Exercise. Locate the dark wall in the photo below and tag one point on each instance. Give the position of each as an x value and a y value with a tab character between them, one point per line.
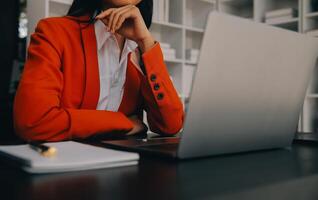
9	11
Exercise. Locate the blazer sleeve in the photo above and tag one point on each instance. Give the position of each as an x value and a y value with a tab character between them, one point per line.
38	113
164	109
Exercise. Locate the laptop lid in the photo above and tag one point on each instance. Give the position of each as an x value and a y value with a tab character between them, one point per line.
249	87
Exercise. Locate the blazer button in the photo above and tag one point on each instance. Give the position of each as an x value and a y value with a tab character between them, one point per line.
153	77
156	86
160	96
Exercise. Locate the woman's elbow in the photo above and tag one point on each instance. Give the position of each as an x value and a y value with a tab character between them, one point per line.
25	130
26	121
172	130
166	130
28	133
170	127
37	130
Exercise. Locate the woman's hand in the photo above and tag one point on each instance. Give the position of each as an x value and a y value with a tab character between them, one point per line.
128	22
139	126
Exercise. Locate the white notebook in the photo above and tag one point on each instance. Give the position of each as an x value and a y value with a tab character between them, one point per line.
71	156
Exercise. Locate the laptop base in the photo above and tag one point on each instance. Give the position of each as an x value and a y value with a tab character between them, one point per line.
163	147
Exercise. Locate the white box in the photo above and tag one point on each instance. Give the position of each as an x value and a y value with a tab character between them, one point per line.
281	12
277	20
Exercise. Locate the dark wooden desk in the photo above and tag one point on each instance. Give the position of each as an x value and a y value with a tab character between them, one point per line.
275	174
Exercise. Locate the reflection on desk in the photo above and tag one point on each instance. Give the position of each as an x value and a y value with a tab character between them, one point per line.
276	174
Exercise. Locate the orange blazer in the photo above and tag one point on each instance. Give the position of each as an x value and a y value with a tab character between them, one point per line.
59	89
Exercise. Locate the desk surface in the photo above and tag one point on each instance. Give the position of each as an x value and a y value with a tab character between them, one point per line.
276	174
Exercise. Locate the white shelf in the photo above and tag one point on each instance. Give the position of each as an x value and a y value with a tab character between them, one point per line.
194	29
312	15
66	2
180	61
190	63
209	1
167	24
312	96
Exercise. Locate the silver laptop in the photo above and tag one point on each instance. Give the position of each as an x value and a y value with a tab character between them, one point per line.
247	93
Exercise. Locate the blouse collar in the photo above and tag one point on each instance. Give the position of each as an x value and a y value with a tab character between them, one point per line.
102	34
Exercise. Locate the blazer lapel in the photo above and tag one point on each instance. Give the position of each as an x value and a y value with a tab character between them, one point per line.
91	90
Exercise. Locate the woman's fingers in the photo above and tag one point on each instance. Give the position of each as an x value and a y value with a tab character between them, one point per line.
124	15
120	22
105	13
104	16
114	16
122	18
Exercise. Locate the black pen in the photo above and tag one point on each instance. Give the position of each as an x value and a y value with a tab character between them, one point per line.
44	150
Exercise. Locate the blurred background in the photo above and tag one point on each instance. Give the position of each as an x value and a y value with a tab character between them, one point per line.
178	25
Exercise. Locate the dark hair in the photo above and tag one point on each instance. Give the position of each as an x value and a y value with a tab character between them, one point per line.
93	7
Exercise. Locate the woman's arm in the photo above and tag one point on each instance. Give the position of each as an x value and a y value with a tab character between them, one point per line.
162	104
38	113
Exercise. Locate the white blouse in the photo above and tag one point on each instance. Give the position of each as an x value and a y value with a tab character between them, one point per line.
112	70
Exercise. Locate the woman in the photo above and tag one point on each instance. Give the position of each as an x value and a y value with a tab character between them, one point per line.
93	72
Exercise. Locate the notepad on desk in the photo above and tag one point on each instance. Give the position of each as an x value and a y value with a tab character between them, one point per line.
71	156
